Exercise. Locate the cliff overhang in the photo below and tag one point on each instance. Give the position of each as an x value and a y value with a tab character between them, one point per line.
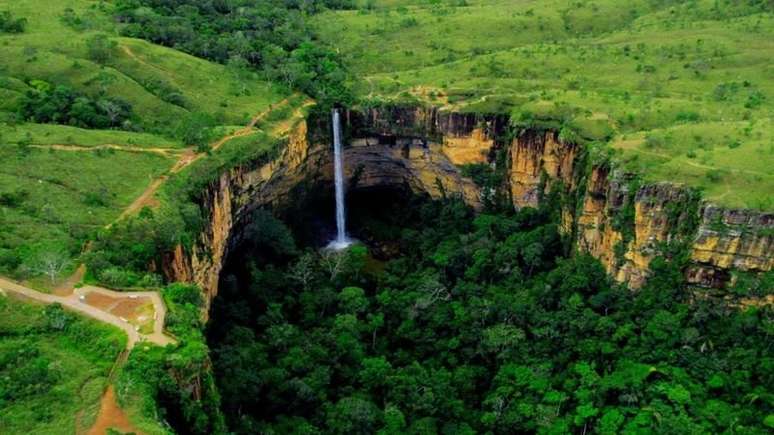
421	149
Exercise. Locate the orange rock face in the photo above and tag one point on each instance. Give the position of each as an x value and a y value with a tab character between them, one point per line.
422	149
424	168
539	157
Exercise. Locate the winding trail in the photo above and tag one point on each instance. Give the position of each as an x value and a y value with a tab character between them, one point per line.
165	152
129	52
75	299
189	156
141	201
111	416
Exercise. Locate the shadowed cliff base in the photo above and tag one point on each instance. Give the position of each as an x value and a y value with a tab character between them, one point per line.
614	215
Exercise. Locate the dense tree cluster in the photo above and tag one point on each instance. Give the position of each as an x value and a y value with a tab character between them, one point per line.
11	24
269	35
24	372
480	324
46	103
121	255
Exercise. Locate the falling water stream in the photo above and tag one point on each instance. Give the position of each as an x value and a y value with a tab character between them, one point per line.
341	241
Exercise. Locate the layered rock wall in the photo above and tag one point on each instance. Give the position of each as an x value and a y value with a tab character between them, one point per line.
720	240
731	239
420	149
538	161
371	160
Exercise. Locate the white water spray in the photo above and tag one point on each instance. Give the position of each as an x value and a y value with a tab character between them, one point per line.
341	241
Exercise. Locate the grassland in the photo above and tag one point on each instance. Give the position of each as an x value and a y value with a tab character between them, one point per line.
649	78
59	184
162	84
53	368
58	198
52	134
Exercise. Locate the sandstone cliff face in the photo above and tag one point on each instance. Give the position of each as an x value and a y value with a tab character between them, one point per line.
731	239
595	234
462	137
537	157
657	218
420	149
406	162
725	239
227	204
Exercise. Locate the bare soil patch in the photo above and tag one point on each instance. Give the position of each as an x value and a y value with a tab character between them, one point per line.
130	308
98	300
111	416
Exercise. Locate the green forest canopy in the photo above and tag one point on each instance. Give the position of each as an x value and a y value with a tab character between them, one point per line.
480	324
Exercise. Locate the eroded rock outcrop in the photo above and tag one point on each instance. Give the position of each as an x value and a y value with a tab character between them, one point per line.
720	240
730	239
421	149
595	233
370	161
539	160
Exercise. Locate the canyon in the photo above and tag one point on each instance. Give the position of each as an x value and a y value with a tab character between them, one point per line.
606	212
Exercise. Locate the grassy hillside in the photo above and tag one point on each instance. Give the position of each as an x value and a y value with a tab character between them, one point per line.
53	199
48	357
162	84
684	90
61	183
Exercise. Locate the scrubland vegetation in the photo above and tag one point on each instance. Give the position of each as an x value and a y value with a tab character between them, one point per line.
69	79
610	71
53	367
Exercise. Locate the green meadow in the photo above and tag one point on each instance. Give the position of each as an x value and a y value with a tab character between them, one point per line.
162	84
694	78
56	198
52	134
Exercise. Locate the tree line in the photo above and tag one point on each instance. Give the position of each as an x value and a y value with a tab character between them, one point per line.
272	36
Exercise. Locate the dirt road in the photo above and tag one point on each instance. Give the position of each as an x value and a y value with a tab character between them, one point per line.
74	303
189	157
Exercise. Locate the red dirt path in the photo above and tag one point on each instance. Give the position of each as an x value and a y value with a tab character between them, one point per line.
111	416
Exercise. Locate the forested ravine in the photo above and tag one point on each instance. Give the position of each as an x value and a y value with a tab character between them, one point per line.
445	320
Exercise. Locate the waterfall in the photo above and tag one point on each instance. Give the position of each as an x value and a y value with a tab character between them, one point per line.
341	241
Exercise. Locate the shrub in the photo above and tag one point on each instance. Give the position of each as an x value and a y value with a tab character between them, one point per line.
196	129
714	176
71	19
755	99
100	48
13	199
24	372
9	24
725	91
50	104
57	318
184	294
9	260
687	116
118	277
652	141
98	198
